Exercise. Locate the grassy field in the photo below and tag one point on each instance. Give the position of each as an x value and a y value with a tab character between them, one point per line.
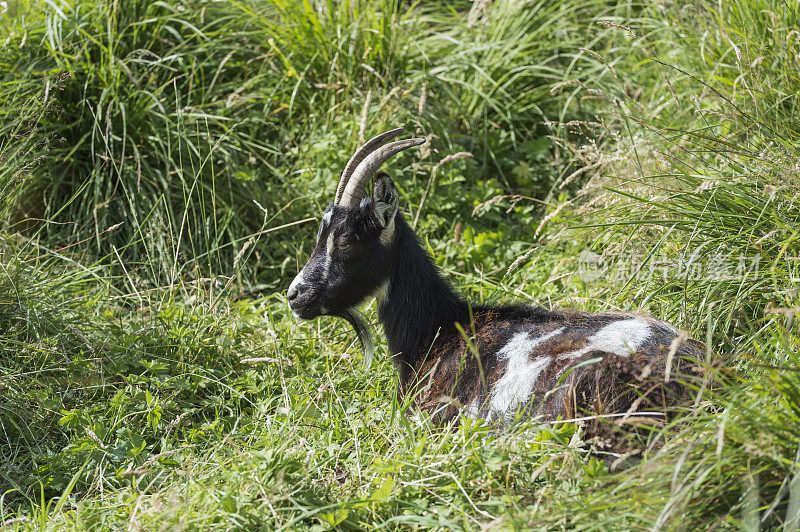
163	167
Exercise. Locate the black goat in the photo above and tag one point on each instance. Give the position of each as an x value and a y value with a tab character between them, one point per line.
504	360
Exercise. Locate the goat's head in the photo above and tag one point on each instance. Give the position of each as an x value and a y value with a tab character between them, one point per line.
350	260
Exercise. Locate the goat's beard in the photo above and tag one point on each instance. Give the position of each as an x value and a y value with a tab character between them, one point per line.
358	320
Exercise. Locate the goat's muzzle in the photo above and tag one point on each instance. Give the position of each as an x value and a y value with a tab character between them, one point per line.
303	301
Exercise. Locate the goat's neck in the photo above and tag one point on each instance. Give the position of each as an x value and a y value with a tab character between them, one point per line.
419	305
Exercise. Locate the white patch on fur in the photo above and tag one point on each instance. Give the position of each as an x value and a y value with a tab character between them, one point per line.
620	338
326	218
297	281
329	247
516	385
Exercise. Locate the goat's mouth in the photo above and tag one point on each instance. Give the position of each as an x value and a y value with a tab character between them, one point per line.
305	313
306	308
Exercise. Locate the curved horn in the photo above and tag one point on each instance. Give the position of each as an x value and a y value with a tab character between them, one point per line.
370	146
354	190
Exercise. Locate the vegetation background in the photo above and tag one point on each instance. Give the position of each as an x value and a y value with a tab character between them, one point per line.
163	165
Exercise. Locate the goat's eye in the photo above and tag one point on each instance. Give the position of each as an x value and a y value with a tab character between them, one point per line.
343	246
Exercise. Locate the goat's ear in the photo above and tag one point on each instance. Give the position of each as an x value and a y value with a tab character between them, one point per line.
385	199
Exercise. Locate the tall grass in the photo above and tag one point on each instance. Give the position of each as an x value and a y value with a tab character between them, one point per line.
174	120
717	191
142	137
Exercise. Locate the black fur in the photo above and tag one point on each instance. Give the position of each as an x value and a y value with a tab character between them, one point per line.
420	305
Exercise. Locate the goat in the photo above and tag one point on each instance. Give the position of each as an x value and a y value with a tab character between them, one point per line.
489	362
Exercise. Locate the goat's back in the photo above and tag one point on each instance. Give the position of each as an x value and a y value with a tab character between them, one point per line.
530	361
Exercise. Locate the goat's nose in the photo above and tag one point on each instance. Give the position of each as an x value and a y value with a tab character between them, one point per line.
292	293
